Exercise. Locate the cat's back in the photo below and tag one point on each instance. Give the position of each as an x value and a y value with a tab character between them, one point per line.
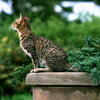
46	46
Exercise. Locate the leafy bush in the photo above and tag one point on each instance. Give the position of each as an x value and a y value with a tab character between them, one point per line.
17	97
88	59
19	74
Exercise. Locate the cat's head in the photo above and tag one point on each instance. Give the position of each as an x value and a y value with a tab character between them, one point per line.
21	23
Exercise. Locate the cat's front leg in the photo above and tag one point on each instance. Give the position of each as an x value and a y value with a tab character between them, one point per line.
35	63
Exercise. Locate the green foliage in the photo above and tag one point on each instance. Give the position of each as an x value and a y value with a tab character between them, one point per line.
68	35
88	59
17	97
19	75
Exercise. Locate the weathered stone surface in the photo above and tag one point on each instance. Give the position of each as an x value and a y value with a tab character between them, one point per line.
62	86
58	78
66	93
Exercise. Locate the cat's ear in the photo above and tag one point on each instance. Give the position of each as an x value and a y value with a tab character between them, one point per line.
21	16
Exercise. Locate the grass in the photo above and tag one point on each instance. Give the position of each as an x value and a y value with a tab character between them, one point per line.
17	97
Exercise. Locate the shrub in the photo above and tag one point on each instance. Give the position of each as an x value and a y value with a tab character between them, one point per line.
88	59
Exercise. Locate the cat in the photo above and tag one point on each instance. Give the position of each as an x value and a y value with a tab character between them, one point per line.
41	50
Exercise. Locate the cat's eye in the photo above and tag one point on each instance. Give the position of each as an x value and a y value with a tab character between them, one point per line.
18	24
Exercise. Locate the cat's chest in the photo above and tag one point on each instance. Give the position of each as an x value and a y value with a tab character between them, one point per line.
26	49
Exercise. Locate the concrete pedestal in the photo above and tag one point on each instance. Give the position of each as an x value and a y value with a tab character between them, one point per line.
62	86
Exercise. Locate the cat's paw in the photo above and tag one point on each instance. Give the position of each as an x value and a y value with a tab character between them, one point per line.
34	70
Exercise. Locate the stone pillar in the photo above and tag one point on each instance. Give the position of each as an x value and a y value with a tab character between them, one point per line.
62	86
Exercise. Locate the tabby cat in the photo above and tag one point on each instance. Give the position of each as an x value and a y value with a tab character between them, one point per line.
42	51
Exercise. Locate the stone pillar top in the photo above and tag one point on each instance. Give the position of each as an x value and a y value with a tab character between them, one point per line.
59	79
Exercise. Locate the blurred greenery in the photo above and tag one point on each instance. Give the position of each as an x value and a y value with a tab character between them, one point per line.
44	22
87	59
17	97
